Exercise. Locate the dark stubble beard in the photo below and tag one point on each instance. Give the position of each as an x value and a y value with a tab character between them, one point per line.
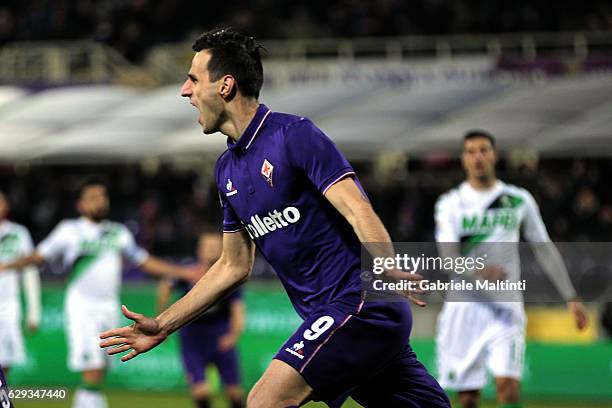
99	215
486	178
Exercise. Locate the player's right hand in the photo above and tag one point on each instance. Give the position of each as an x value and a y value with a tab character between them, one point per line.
31	326
227	342
139	337
492	273
193	274
581	316
415	278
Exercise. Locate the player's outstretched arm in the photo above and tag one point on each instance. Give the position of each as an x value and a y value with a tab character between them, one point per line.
158	267
348	199
230	271
31	289
33	259
236	326
164	291
550	260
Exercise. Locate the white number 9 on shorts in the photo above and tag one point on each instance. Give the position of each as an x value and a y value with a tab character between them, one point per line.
318	327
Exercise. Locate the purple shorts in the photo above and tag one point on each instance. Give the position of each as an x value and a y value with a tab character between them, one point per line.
199	348
365	355
5	401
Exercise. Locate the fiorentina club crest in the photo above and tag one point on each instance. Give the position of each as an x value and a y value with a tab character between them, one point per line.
266	170
231	190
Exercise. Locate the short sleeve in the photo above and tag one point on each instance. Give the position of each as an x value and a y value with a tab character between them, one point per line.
310	150
532	226
231	221
56	242
132	251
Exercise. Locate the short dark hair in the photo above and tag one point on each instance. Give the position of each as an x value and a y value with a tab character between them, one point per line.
236	54
478	133
90	182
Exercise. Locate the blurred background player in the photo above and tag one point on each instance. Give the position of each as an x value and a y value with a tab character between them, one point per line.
15	242
91	248
476	336
211	338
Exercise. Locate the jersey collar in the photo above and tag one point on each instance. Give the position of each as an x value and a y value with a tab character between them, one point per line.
466	187
87	221
251	131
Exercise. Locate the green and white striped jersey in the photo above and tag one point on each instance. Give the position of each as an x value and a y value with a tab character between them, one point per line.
473	217
499	214
15	242
92	252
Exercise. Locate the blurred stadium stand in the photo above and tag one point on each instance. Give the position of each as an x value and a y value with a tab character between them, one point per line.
419	107
70	108
132	27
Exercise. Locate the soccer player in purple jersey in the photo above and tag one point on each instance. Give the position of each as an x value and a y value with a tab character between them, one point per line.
286	189
211	338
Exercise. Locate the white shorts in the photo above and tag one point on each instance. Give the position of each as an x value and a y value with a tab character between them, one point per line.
84	323
473	338
11	343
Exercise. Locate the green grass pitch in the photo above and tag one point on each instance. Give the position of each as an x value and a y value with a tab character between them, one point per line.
121	399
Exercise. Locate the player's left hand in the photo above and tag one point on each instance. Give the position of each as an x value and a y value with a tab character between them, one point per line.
227	342
31	326
193	274
139	337
581	316
493	273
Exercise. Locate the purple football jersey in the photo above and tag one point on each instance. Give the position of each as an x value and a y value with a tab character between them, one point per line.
272	183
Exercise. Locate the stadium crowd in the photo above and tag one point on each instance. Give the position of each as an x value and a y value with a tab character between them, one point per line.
132	26
167	209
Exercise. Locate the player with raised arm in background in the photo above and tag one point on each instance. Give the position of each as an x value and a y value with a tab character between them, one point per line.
92	248
212	338
15	242
286	188
476	336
